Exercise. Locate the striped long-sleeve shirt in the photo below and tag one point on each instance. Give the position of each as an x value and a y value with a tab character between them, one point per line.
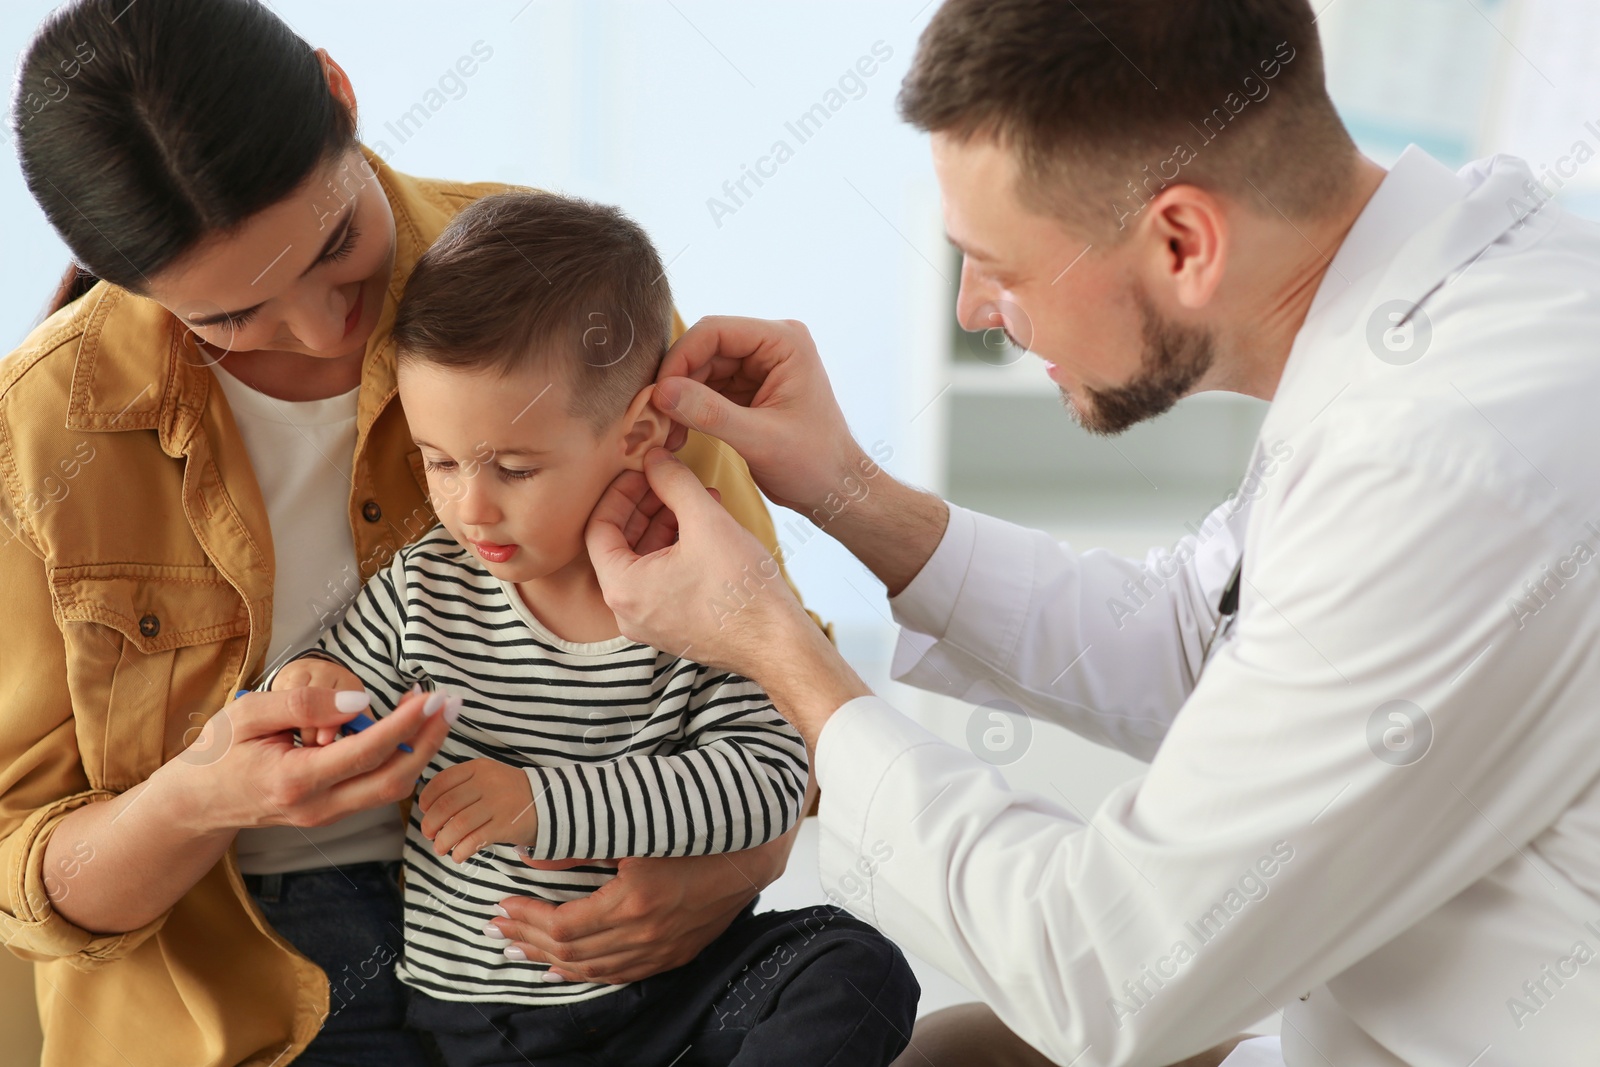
630	751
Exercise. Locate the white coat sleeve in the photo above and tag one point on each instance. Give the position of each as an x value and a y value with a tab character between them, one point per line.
1106	646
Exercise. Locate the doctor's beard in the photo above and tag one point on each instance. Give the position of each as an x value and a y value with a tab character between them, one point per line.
1175	358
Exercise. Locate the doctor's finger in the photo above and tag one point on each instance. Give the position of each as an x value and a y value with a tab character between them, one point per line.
679	489
652	529
655	528
605	535
724	347
702	407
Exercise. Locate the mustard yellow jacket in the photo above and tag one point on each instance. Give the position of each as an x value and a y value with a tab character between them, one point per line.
137	571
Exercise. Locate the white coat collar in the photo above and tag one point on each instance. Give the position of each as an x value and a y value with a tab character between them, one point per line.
1422	225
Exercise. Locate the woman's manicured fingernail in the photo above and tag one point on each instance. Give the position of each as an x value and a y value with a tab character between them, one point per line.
416	687
494	931
351	699
434	702
503	913
512	952
452	709
551	976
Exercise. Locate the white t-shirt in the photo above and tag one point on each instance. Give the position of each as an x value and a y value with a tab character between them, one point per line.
302	452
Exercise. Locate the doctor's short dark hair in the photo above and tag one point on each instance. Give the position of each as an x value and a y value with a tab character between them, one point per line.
1106	102
526	280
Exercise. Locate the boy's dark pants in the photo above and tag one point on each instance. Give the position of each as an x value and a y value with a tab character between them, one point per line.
812	986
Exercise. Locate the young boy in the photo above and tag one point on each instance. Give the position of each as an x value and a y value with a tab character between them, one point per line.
527	341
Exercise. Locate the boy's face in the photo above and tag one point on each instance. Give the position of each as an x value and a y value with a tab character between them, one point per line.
512	474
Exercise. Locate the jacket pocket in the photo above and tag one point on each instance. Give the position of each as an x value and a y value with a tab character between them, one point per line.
152	652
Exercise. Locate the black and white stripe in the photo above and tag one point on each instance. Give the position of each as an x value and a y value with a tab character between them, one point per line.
630	751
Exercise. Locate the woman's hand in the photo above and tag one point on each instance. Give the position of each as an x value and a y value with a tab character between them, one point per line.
153	842
316	673
244	769
656	914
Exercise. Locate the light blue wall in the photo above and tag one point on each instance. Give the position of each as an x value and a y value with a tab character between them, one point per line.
655	105
652	106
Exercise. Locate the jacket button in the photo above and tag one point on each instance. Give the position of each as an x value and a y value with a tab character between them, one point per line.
371	511
149	625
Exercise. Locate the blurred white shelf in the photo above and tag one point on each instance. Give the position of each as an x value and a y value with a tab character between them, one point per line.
1026	377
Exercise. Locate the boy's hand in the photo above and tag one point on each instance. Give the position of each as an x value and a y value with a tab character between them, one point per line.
314	672
475	804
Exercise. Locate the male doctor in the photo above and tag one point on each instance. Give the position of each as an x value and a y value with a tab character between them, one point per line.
1373	799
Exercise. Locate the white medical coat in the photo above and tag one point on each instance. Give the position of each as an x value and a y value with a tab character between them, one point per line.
1378	807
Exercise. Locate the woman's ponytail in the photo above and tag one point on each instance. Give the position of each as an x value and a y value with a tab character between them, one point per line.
73	284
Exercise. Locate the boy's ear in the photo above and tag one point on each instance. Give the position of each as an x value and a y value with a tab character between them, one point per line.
338	81
644	427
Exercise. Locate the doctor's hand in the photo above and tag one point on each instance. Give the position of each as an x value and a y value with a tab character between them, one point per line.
760	386
675	595
714	595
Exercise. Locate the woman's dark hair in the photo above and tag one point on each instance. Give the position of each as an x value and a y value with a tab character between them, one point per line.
144	127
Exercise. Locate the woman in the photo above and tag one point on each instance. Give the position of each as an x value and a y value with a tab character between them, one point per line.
202	457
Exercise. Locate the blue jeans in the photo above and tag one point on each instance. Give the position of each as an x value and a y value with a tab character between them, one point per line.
347	920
